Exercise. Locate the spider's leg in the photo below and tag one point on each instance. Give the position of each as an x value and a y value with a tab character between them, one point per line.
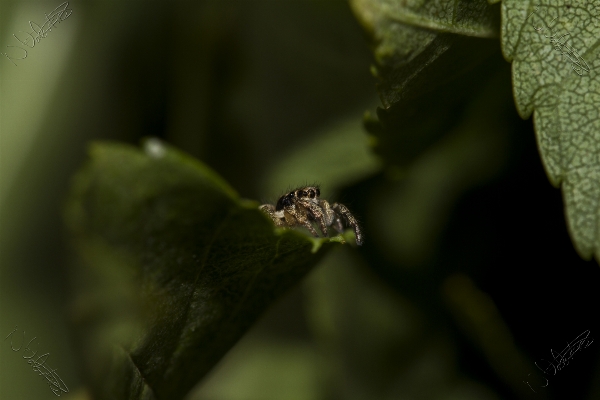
330	215
317	213
294	216
337	224
342	210
276	216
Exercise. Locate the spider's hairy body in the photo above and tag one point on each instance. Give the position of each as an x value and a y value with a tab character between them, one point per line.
302	207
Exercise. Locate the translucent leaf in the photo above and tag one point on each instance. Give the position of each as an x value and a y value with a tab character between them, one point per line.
554	48
172	268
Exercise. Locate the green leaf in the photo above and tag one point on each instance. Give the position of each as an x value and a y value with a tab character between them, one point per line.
172	268
431	58
420	44
554	48
447	119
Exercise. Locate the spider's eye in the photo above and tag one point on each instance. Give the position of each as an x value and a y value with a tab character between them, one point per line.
318	192
311	194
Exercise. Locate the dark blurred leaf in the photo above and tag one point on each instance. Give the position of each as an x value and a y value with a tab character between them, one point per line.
174	268
420	44
431	58
554	52
445	126
415	204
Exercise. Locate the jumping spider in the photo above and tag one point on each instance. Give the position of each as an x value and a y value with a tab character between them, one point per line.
302	206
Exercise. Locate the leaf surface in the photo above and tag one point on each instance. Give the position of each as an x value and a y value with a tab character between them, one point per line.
173	268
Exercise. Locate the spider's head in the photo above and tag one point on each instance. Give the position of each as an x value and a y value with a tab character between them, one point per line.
308	193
